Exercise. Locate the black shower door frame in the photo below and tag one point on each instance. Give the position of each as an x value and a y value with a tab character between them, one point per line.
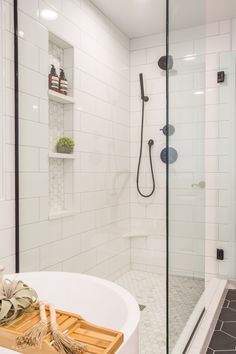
16	121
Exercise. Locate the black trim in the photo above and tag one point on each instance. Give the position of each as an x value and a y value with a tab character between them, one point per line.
16	85
193	332
167	178
16	99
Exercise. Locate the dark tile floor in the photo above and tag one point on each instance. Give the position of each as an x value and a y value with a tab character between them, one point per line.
224	337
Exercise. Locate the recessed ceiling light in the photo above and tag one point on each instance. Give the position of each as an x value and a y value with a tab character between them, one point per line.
49	14
189	57
199	93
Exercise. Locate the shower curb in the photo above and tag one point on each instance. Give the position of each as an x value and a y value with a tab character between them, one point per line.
214	297
200	326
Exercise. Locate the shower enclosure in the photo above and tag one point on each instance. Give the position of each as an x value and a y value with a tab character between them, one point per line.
187	180
149	183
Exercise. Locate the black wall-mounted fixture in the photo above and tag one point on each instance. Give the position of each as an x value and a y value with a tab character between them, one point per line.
150	145
220	254
220	77
170	130
143	97
169	155
166	62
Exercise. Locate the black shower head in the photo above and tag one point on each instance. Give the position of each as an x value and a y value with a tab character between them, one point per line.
165	63
143	97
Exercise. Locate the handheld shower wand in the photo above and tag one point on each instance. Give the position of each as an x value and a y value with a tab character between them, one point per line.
143	97
150	144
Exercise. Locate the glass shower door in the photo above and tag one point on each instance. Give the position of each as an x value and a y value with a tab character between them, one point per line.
186	140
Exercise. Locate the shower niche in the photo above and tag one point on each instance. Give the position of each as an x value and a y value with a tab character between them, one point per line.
61	113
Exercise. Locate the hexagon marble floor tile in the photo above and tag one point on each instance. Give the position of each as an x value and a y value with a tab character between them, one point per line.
224	337
149	291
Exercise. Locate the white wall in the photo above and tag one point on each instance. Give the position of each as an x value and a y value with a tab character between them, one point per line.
91	240
220	149
6	137
148	214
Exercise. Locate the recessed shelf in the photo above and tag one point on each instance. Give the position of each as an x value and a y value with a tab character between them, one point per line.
60	42
61	116
61	214
57	155
60	98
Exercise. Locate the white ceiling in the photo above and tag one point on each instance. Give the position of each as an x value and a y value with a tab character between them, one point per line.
138	18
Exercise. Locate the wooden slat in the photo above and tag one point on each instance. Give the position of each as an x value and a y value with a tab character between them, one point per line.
88	325
93	334
115	346
68	324
22	319
94	350
91	340
61	319
98	340
25	326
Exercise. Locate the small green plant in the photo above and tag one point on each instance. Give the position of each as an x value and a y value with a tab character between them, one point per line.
65	145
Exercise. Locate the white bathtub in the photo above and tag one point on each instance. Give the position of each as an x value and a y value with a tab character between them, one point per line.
98	301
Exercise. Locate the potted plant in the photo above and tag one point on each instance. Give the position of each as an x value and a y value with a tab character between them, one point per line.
65	145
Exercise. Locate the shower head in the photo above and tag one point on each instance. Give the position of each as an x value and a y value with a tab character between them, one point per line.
165	62
143	97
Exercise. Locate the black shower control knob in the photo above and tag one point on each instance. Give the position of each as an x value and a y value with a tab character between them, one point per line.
168	130
169	155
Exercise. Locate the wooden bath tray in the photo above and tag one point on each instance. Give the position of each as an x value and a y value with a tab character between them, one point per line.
97	340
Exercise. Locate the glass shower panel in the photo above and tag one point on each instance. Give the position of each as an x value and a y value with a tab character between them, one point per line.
80	210
187	180
220	133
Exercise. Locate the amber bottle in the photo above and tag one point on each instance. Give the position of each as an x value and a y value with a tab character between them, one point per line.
53	80
63	83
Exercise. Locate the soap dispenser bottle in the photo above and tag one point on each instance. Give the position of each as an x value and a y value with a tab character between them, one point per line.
63	83
53	80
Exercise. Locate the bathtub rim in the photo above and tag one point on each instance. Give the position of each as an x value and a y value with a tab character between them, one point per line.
133	313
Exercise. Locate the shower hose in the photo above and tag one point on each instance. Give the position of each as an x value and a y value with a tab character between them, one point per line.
150	144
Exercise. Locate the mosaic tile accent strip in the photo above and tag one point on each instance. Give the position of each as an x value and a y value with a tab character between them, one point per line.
56	185
224	336
149	289
56	57
56	166
56	123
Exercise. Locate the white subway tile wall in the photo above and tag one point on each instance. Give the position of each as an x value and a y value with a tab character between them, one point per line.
186	219
220	150
91	239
